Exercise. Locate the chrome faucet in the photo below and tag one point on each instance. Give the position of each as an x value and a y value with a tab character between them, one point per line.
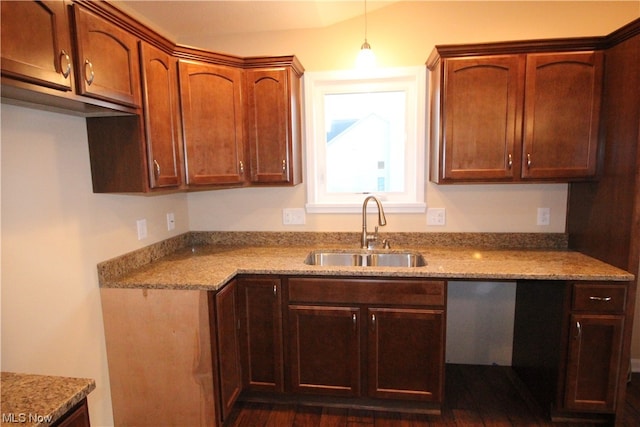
367	239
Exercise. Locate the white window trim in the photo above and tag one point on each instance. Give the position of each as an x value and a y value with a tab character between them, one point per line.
318	83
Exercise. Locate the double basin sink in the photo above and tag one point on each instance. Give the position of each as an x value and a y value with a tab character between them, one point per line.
365	259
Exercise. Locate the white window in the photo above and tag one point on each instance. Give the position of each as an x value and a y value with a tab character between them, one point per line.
365	135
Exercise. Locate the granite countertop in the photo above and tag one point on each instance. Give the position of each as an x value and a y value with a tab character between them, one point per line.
208	264
39	400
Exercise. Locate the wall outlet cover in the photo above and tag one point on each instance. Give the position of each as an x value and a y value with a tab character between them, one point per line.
293	216
544	216
436	216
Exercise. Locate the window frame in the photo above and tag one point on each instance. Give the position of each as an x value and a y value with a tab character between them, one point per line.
413	81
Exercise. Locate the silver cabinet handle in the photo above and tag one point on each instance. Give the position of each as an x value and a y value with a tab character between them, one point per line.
603	299
373	320
157	168
579	327
510	161
528	160
67	70
284	166
241	167
91	73
275	290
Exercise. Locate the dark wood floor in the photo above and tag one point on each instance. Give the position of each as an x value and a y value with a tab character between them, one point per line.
475	396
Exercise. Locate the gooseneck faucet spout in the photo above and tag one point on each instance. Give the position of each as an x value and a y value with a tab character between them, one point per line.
382	221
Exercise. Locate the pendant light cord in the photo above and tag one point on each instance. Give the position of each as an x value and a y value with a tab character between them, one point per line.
365	21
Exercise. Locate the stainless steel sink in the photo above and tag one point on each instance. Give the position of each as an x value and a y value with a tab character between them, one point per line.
366	259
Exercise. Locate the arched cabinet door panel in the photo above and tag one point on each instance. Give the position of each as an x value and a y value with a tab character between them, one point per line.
107	63
211	102
39	52
161	116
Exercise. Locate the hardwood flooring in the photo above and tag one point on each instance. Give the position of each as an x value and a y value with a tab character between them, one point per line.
475	396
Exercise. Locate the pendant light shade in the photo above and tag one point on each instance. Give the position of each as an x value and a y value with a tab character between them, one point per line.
366	57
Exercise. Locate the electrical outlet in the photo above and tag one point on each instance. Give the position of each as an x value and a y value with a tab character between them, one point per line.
436	216
171	221
293	216
544	216
141	225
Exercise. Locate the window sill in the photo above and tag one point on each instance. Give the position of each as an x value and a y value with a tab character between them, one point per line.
357	208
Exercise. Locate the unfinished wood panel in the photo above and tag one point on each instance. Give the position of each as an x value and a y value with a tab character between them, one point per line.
159	355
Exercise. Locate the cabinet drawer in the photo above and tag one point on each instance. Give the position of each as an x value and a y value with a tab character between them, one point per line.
599	297
367	291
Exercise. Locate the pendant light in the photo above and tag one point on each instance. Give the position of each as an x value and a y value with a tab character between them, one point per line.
366	58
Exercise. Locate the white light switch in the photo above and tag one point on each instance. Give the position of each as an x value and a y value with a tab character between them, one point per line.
171	221
141	225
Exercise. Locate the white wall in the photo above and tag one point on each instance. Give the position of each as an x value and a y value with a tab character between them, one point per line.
55	230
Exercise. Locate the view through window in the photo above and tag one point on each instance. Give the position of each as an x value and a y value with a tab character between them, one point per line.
365	135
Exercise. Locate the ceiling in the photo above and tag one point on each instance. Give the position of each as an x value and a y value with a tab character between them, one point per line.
179	20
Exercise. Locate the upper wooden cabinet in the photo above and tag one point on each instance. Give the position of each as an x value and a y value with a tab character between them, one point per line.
513	117
161	116
273	124
154	125
563	93
211	101
107	60
36	45
481	116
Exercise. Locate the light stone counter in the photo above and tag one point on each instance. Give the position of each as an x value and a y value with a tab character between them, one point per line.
207	261
40	400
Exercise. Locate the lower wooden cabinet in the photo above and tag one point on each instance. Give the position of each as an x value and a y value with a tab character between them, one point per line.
325	350
370	338
360	342
228	349
406	356
567	347
594	346
78	416
260	316
593	366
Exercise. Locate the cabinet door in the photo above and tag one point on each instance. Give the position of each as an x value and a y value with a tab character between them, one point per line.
161	120
562	110
78	416
406	353
269	125
107	60
261	333
593	362
230	374
325	350
482	101
36	42
211	102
